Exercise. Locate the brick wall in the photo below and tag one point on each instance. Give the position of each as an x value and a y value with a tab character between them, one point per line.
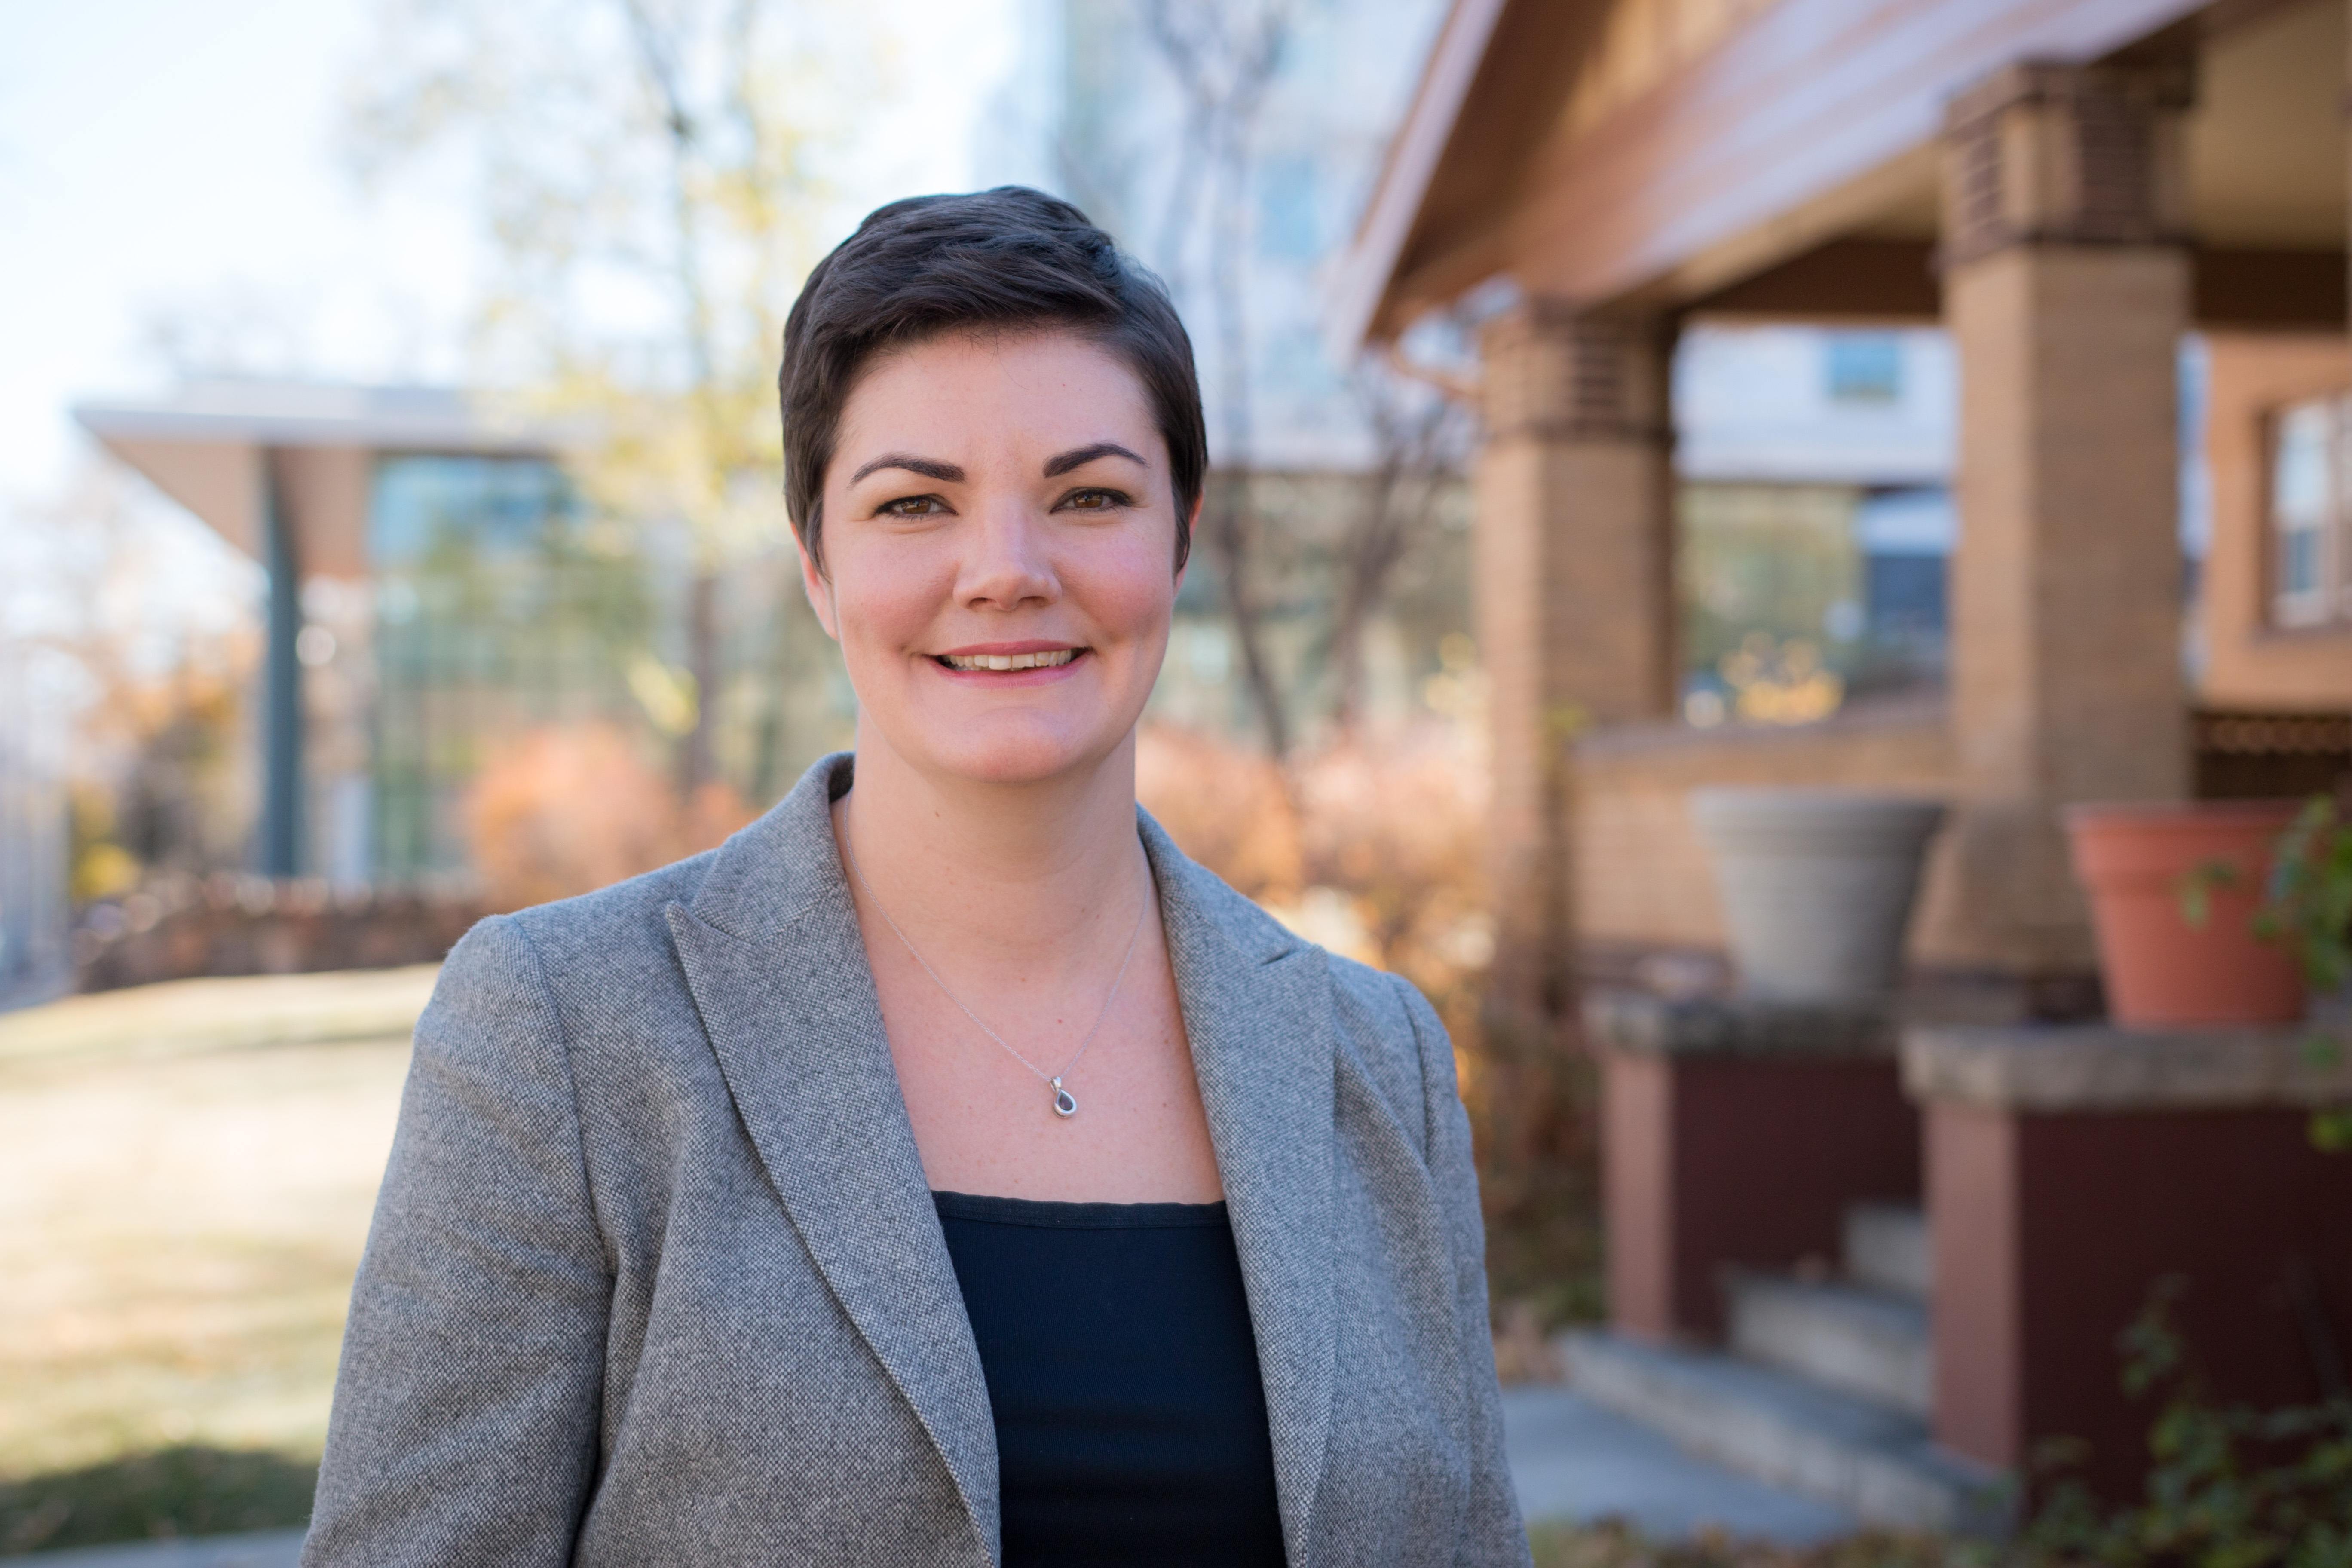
1643	876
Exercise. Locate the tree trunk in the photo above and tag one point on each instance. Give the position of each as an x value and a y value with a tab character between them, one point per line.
1228	530
694	752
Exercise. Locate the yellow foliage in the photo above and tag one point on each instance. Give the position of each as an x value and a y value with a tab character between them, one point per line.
104	871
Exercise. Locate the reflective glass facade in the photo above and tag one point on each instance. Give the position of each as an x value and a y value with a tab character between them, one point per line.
499	605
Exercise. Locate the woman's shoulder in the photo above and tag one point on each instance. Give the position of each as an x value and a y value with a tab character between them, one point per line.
557	956
613	919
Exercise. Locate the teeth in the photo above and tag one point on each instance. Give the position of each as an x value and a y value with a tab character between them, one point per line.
1012	661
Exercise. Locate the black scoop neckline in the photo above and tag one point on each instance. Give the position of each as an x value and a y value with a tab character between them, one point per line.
1042	1214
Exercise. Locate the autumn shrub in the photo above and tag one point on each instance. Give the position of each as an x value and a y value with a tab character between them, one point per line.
1371	847
567	809
1229	807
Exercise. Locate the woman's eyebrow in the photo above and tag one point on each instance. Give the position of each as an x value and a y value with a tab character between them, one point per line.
946	473
1079	457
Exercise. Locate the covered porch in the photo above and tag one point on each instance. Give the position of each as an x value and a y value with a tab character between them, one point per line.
2070	189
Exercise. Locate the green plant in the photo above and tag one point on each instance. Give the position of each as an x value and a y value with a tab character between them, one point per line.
1614	1543
2230	1487
2308	907
2198	886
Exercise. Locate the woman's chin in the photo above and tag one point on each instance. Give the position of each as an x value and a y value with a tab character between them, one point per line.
1018	752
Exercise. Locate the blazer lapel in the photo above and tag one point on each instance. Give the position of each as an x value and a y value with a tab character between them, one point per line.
772	955
1257	1012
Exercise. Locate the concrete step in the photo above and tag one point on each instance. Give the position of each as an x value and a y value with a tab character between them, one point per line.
1886	1248
1868	1343
1877	1462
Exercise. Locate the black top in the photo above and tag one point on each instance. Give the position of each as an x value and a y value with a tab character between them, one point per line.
1122	1371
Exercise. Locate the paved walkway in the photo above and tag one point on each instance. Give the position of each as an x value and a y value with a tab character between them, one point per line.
265	1549
1572	1459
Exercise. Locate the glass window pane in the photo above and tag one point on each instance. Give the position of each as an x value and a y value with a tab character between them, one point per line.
2302	504
1865	367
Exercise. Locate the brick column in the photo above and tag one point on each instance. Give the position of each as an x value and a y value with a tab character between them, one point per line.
1574	601
2066	290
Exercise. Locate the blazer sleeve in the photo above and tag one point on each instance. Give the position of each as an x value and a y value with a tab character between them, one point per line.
465	1426
1492	1532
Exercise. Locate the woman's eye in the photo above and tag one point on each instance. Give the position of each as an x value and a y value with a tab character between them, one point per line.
913	506
1094	501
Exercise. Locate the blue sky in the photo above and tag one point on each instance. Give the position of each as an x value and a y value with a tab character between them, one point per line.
162	160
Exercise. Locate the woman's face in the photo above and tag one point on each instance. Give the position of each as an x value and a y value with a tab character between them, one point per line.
1000	547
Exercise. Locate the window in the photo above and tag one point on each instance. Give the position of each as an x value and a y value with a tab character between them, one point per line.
498	606
1865	367
2310	504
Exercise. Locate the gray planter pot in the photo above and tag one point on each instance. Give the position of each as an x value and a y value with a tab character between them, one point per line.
1817	885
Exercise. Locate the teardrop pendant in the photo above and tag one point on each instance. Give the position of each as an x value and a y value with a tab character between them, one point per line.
1065	1104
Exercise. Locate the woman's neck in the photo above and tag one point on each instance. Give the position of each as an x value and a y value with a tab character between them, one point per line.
1038	875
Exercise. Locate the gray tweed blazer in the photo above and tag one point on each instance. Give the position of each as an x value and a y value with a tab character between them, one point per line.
654	1276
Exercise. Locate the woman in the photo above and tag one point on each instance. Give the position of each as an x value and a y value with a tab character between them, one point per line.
945	1170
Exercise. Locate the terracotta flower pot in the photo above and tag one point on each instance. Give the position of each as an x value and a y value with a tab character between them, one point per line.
2144	867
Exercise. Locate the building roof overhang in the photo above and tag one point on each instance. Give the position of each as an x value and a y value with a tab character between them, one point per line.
208	447
1797	122
255	413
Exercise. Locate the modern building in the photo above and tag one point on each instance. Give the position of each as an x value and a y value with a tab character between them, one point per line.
35	953
433	588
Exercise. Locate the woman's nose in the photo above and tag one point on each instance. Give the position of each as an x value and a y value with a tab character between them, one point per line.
1006	561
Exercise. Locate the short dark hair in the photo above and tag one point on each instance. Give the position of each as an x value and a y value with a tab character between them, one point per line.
1007	258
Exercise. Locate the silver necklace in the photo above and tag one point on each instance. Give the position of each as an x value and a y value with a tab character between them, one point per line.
1065	1104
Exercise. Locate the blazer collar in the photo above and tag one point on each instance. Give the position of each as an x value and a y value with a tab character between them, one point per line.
774	959
1257	1012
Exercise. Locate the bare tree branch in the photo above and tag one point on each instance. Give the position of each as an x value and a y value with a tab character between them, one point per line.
1418	437
1224	63
656	140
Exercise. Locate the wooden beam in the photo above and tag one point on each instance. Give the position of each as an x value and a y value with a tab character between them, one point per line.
1457	61
1810	95
2280	290
1494	81
1895	282
1890	281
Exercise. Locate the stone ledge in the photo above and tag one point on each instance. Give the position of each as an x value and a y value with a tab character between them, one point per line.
2100	1067
1643	1024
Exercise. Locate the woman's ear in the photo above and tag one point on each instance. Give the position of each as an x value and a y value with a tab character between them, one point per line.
818	587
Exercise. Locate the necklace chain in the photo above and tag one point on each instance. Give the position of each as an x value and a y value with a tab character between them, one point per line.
1065	1104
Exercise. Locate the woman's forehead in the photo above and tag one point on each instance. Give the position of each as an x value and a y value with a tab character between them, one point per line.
1051	388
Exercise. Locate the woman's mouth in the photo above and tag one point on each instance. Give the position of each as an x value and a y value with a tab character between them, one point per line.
1049	659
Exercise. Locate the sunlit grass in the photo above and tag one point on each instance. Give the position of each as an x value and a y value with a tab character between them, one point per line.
178	1231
